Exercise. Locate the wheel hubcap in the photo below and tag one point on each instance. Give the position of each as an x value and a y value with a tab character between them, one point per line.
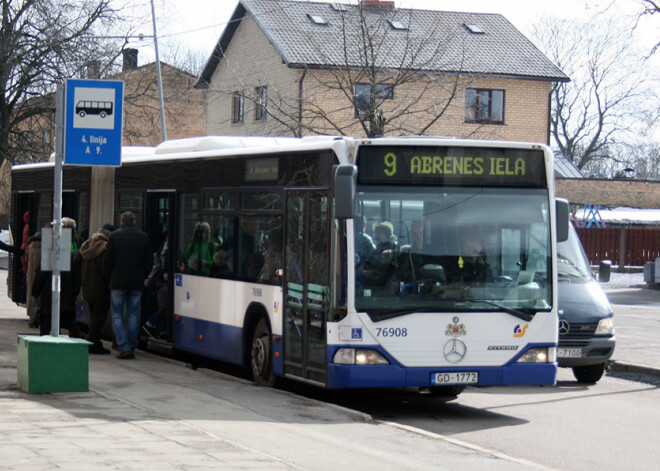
258	356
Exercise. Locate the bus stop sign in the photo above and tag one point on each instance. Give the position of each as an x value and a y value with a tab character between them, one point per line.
93	122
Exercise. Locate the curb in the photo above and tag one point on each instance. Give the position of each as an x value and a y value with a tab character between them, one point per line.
625	367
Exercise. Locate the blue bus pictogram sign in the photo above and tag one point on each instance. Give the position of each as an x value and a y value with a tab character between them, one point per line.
93	118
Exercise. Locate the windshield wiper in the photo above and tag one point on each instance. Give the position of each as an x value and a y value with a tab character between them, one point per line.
383	314
526	316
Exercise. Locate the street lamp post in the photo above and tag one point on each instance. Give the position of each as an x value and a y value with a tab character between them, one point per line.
160	78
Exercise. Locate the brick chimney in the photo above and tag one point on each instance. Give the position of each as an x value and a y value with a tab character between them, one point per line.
94	69
378	3
130	59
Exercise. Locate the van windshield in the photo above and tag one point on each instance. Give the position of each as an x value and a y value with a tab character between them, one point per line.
571	259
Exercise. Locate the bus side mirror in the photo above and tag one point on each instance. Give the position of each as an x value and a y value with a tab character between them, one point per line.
345	182
561	211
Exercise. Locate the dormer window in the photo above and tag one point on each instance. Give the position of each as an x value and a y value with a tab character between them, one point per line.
317	19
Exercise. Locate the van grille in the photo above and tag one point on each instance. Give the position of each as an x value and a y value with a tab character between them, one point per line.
578	330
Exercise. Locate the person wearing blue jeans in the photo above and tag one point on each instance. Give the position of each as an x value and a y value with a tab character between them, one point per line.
127	261
125	312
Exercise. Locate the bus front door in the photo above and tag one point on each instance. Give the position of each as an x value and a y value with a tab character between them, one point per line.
157	305
306	285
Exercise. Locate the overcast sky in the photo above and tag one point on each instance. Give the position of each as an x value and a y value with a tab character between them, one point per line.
197	24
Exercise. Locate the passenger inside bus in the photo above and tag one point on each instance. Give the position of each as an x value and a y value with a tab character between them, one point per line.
222	265
199	253
380	266
364	244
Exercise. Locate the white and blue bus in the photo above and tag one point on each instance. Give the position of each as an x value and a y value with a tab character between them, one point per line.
391	262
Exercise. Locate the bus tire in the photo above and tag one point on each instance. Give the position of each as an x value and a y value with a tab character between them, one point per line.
82	114
103	114
446	391
261	351
589	374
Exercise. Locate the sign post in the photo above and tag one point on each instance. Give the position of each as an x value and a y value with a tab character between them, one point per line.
89	130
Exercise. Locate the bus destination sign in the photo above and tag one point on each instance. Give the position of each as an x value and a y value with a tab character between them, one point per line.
460	166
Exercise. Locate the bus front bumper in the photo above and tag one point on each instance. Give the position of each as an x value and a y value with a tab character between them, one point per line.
394	376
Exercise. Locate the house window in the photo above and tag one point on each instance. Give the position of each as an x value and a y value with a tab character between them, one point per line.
261	99
363	96
237	107
484	106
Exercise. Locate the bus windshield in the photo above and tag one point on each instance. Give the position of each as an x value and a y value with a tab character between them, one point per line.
452	249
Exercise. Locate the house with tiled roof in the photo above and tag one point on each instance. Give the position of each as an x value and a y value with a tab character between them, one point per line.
286	67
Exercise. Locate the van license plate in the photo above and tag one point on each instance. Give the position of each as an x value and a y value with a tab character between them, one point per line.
468	377
569	352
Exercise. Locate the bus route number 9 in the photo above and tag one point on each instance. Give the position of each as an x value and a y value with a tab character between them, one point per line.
390	163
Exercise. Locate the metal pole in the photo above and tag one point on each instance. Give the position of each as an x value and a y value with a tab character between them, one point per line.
57	211
160	79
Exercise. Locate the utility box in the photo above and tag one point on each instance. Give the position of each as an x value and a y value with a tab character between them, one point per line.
48	364
649	272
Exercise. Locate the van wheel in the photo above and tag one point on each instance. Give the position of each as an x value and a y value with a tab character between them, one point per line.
446	391
261	355
589	373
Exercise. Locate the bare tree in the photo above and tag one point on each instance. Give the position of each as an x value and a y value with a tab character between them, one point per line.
610	89
637	160
651	7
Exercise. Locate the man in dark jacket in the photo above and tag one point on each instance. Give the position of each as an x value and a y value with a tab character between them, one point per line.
127	260
95	285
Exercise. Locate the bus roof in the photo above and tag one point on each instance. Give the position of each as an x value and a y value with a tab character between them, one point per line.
225	146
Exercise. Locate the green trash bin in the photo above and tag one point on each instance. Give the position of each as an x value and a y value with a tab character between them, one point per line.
52	364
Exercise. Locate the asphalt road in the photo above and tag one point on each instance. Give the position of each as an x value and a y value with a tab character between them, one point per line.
612	425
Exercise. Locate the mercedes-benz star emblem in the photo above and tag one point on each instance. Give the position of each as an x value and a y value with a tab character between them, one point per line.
454	350
564	327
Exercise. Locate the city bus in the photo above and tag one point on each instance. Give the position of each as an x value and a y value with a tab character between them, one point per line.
340	262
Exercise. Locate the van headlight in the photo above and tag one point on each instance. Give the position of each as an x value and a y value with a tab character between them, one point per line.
539	355
359	356
605	326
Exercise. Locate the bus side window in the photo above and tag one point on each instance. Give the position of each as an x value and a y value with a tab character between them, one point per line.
189	215
222	242
250	259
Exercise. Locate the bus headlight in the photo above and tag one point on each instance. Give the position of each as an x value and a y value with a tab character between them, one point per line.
359	356
539	355
605	327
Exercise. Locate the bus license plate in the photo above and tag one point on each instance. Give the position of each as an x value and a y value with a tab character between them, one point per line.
569	352
468	377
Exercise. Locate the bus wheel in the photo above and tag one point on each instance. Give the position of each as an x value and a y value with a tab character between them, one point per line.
446	391
589	373
82	114
260	355
103	114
